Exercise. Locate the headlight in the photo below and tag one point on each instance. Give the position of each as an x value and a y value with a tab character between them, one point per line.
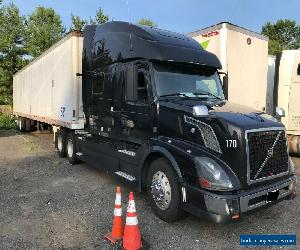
211	175
292	166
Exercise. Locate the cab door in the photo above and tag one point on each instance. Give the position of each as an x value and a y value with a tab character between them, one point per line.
136	116
100	143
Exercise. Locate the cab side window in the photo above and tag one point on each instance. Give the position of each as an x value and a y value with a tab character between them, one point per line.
136	87
142	92
98	83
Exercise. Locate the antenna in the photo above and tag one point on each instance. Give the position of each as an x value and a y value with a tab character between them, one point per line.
128	10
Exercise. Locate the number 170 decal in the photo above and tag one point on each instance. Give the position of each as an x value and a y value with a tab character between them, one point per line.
231	143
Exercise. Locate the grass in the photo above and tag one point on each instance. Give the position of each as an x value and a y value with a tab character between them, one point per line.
7	122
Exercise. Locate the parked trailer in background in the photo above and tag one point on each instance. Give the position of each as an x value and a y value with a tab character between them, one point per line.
284	75
255	79
243	55
48	90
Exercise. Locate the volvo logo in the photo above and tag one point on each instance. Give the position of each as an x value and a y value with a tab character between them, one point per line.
270	153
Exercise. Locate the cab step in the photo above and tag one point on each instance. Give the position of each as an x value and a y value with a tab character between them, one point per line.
126	176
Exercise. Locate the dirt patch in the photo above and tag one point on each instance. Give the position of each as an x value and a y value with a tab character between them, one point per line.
67	229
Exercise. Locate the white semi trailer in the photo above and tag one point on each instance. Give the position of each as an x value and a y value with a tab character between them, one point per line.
284	77
255	79
48	90
243	55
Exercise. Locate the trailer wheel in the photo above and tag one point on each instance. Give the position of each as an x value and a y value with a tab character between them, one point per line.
71	149
163	190
27	125
21	124
61	143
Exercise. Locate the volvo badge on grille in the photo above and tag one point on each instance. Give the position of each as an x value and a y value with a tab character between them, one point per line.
270	152
269	155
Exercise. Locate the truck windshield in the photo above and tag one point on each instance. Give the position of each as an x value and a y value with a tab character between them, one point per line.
182	81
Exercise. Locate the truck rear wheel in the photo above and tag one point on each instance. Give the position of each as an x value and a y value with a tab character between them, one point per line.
61	143
163	190
71	149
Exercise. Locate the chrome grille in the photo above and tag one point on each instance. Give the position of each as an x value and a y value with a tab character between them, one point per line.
267	154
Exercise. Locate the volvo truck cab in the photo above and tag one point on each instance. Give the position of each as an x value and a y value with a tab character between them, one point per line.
156	116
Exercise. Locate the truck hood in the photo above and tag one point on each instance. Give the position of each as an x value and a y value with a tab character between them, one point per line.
226	121
238	115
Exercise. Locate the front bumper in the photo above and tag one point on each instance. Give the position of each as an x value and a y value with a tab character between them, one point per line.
222	208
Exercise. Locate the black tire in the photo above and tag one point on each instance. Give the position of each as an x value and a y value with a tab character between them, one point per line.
61	143
21	124
172	211
27	125
71	149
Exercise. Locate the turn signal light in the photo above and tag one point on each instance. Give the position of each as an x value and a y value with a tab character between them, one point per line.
204	183
235	216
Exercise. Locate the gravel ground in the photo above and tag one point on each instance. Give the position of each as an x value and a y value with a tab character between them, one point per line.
46	203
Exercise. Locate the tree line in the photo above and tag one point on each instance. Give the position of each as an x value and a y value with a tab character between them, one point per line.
23	38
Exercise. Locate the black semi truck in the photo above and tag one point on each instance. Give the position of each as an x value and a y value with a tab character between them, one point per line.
155	114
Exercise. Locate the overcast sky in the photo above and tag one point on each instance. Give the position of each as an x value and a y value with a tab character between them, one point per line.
177	15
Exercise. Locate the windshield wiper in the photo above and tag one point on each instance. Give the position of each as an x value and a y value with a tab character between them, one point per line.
175	94
208	93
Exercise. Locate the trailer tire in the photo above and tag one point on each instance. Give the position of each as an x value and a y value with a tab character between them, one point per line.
61	143
71	149
162	184
27	125
21	124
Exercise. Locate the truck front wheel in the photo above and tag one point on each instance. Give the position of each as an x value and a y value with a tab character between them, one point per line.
163	190
71	149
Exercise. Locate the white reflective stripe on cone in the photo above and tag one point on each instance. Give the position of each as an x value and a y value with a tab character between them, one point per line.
131	207
131	221
118	199
118	212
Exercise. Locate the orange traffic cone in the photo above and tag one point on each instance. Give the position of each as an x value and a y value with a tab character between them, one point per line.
118	227
132	235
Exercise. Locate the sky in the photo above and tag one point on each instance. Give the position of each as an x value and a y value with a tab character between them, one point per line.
177	15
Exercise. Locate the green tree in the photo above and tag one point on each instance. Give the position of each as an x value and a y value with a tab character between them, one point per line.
284	34
12	52
44	28
147	22
101	17
77	23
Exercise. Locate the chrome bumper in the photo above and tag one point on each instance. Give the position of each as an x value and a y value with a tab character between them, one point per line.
284	189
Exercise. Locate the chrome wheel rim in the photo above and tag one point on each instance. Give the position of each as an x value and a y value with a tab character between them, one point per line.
70	148
59	144
161	190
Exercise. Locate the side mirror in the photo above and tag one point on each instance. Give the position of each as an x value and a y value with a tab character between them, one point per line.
200	110
279	112
225	84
